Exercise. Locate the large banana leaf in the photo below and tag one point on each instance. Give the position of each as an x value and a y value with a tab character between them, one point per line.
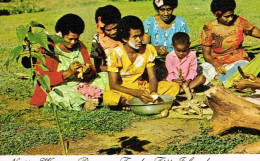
253	67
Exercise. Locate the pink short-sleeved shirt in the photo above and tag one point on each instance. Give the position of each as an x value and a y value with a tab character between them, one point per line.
186	66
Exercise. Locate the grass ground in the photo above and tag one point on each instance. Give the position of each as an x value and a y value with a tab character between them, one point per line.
24	125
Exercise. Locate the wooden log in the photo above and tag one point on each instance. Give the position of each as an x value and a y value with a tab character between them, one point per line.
231	111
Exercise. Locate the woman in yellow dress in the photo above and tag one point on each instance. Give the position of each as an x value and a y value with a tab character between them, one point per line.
127	63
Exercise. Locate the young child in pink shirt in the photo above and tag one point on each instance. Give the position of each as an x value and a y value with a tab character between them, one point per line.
181	63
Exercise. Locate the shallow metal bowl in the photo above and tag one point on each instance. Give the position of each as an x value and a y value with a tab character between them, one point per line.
139	107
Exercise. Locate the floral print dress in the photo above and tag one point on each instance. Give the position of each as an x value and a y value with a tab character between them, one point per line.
163	37
227	46
72	94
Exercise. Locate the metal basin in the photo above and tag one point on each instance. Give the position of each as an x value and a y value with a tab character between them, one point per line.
139	107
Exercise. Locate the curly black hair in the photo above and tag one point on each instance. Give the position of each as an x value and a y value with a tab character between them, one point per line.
109	14
172	3
70	23
222	5
180	38
127	23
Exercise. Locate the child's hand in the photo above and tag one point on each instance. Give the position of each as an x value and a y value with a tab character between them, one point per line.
188	82
178	80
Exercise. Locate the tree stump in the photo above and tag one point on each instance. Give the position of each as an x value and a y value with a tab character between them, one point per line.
231	111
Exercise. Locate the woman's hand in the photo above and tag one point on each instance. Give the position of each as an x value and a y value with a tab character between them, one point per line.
84	69
250	76
161	50
219	68
74	66
206	51
144	96
242	84
245	83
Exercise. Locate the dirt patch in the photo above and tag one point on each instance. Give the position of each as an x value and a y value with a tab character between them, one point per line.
253	148
148	137
16	104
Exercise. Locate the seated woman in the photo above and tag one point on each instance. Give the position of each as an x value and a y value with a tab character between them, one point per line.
159	30
64	71
104	40
222	40
127	63
181	64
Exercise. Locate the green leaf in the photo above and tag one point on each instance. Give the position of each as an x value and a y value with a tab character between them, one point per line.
31	74
58	92
39	36
43	67
255	47
21	32
39	57
62	105
36	24
35	80
253	67
45	82
57	39
15	53
253	51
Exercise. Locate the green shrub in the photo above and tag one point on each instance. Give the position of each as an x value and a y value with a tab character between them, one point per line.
19	7
5	0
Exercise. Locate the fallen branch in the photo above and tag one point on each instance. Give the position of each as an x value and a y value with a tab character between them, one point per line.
230	111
